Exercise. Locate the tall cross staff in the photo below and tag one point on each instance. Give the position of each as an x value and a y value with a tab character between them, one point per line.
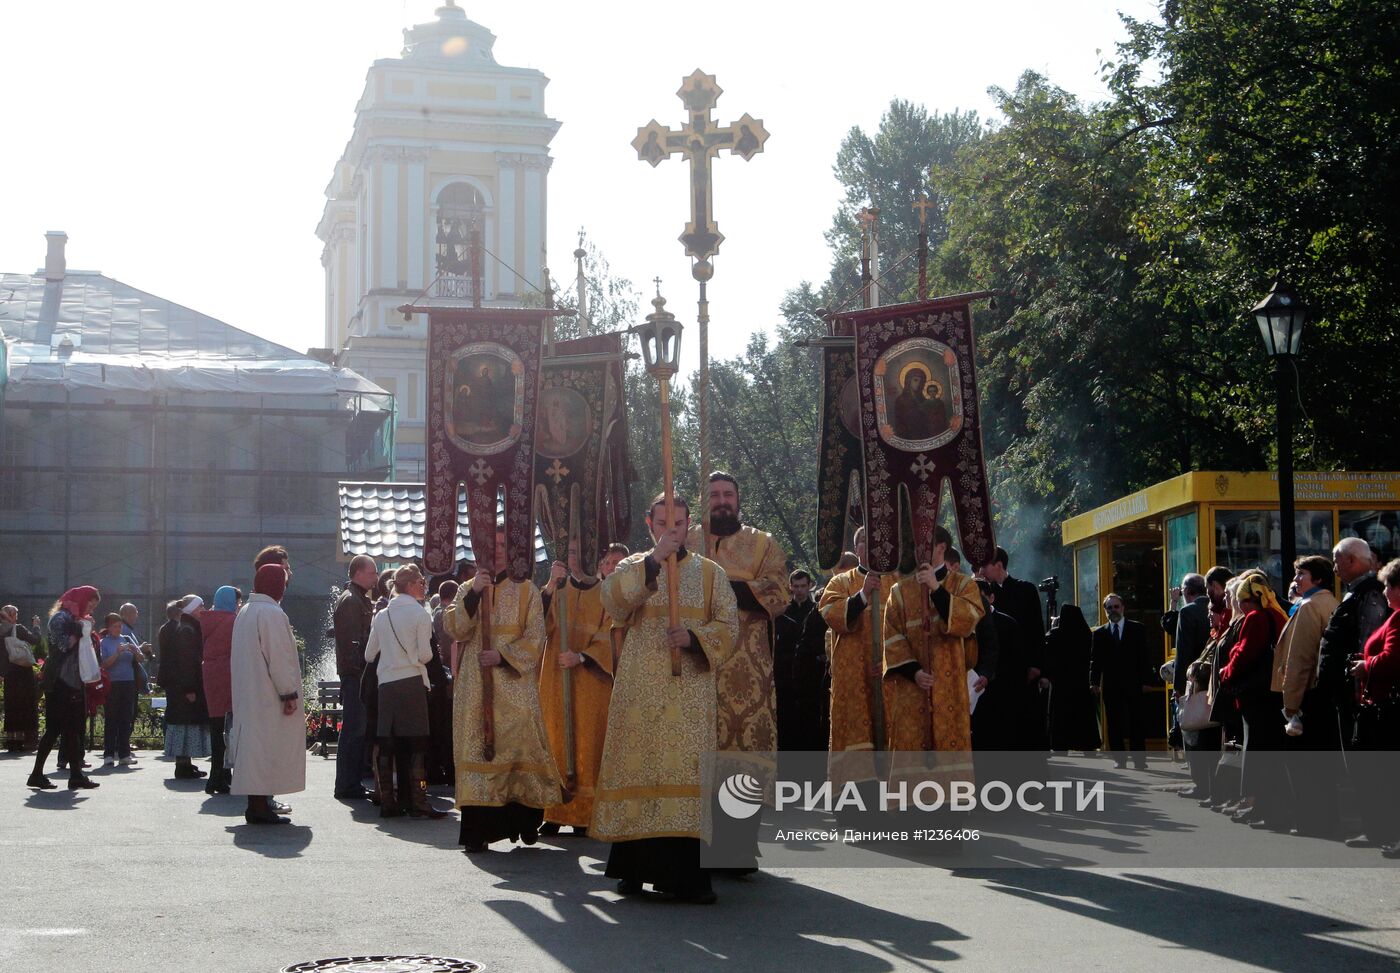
922	205
699	142
869	256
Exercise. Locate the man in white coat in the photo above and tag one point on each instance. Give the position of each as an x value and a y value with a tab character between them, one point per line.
267	745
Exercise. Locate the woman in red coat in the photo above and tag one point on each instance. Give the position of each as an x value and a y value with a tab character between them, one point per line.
217	625
1377	672
1246	677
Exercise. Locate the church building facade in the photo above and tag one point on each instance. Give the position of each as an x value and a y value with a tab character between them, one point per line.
447	145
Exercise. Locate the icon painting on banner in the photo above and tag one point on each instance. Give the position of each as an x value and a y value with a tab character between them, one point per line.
487	396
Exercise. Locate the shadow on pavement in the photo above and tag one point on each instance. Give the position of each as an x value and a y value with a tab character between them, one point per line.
797	925
271	840
224	806
1261	933
184	786
59	800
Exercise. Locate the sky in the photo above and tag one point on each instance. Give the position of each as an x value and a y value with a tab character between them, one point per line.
185	147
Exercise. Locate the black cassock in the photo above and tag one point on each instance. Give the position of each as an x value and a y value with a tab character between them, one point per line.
799	673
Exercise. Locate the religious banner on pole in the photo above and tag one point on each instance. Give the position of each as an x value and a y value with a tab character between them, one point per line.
839	458
581	447
920	425
483	381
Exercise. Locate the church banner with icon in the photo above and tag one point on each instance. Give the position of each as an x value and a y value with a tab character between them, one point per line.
483	382
920	426
839	460
581	470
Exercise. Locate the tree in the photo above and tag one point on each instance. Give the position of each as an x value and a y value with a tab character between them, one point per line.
905	158
765	424
1275	141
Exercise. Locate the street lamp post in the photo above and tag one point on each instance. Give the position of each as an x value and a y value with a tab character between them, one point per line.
1280	316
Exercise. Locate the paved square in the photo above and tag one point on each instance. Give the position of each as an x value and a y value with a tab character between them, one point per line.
149	873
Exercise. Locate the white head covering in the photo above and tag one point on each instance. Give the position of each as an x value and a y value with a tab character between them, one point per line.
193	605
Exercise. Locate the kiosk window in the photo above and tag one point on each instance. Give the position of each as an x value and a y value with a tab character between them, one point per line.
1181	547
1250	538
1379	528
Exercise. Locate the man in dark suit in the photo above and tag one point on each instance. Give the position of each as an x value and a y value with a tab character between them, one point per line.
1192	627
1021	600
1120	671
1188	622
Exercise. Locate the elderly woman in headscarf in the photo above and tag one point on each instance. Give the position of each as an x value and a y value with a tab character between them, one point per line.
71	665
186	713
1246	677
267	743
217	626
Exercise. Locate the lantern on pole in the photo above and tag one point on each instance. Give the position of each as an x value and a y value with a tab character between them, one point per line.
1280	316
660	338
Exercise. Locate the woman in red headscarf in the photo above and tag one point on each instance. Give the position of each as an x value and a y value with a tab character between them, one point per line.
72	664
267	742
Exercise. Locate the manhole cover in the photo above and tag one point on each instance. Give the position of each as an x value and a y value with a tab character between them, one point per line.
387	964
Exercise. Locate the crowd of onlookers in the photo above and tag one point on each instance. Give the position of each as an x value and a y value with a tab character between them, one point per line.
1278	705
222	667
1274	705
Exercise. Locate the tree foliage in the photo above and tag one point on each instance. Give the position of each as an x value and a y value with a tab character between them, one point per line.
1126	241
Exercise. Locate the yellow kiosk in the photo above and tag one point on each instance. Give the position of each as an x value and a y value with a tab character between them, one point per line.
1141	545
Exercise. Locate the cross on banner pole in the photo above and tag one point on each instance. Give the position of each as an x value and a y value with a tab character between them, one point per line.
922	205
699	141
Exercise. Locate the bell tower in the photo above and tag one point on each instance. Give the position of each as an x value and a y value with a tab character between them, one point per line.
446	143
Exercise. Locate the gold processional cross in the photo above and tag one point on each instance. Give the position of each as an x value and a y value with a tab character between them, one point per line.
699	141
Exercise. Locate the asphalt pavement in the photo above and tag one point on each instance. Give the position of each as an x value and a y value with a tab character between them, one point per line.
148	873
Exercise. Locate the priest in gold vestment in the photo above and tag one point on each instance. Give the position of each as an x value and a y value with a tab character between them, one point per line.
504	796
648	798
748	705
929	647
589	662
851	600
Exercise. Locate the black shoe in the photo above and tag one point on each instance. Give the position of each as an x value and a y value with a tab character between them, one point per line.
1361	841
1209	802
580	831
626	886
549	829
277	807
82	783
41	782
1391	851
474	848
529	837
265	818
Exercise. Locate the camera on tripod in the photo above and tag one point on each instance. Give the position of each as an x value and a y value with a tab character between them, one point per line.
1050	584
